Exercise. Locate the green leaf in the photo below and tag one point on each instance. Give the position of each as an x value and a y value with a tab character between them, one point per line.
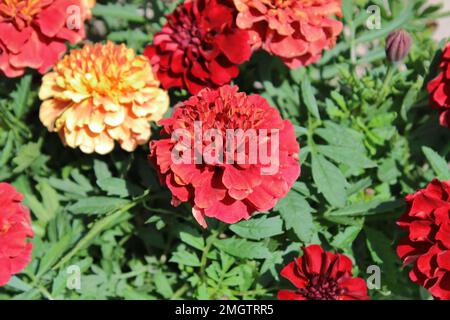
21	96
347	155
68	186
114	186
297	215
37	208
308	97
50	198
365	208
26	156
410	98
382	253
439	164
242	248
192	238
185	258
345	238
387	171
53	254
101	170
329	180
113	11
97	205
337	135
257	229
7	149
162	284
18	284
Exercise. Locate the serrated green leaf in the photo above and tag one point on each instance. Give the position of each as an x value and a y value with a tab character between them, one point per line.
347	155
26	156
97	205
243	248
162	284
185	258
329	180
258	228
439	164
297	215
308	97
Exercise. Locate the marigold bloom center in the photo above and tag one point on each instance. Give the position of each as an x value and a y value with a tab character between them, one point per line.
99	77
186	33
322	287
21	9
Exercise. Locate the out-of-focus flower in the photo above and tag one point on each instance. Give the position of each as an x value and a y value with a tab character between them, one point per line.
99	94
398	44
34	33
200	46
88	6
439	89
225	171
322	275
297	31
427	245
15	229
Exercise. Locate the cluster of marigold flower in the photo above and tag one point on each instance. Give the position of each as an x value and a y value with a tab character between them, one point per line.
106	93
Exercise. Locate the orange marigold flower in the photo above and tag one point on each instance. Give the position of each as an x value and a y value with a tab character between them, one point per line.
99	94
295	30
34	33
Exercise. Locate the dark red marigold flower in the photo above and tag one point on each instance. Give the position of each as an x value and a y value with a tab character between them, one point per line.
322	275
427	245
439	89
34	33
224	176
15	228
200	46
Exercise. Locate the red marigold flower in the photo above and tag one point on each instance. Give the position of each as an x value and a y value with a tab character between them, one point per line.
34	32
439	89
297	31
200	46
427	245
225	136
322	275
15	228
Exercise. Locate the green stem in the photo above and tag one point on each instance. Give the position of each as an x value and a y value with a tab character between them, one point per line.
208	246
387	82
180	292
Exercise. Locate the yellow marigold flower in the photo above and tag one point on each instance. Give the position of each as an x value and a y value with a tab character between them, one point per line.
99	94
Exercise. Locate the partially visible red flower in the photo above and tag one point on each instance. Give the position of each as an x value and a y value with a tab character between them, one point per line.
322	275
34	33
439	89
234	182
297	31
427	245
15	228
200	46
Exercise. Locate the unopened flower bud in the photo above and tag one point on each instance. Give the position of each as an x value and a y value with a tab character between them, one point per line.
398	44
